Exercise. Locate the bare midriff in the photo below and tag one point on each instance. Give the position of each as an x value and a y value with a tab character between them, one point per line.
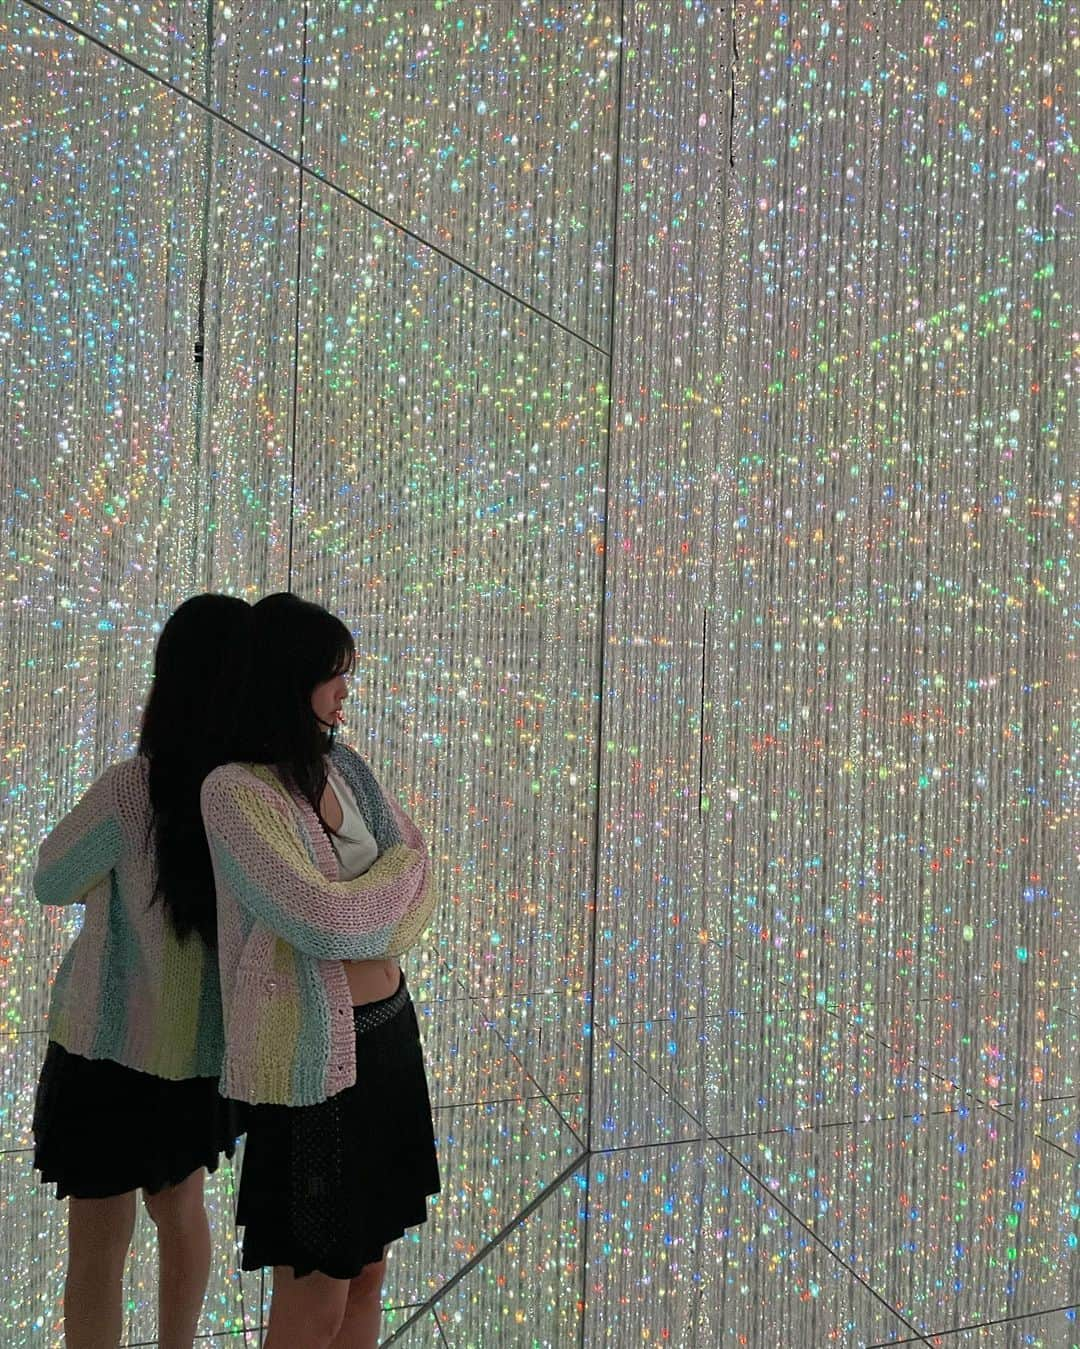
369	980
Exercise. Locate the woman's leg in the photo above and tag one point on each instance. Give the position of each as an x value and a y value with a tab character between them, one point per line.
183	1258
305	1313
99	1234
363	1309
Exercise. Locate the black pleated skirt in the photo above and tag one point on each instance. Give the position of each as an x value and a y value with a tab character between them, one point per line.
328	1187
101	1129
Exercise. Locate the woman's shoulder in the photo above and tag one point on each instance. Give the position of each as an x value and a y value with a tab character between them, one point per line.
230	772
249	789
121	794
233	779
135	768
356	772
127	782
347	760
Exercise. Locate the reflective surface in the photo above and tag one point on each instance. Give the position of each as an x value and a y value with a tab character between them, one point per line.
679	409
487	131
998	1239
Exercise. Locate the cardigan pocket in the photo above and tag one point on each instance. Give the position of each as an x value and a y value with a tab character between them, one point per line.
265	1024
263	983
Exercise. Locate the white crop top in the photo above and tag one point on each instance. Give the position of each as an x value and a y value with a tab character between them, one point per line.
353	844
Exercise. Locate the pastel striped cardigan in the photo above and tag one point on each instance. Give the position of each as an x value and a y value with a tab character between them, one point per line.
285	924
127	989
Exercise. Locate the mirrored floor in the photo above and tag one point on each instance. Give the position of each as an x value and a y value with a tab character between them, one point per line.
762	1176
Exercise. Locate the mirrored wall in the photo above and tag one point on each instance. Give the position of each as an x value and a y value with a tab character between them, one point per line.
678	402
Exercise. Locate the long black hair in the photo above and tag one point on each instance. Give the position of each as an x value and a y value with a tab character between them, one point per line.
297	646
202	669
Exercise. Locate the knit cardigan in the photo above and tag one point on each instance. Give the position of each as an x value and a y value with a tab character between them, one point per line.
127	989
285	924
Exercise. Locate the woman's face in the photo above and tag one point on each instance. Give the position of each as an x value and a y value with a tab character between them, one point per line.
326	698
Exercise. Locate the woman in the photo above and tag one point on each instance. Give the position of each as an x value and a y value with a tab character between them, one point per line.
127	1099
322	883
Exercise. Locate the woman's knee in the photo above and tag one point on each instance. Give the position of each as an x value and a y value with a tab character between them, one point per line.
369	1281
177	1205
321	1322
308	1310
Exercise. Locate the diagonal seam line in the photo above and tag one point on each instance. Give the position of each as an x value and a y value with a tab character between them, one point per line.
894	1344
495	1242
507	1099
760	1184
538	1095
1048	1141
923	1061
315	175
679	1105
1001	1321
541	1093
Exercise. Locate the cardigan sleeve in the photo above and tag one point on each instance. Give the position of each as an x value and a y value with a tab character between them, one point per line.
260	859
413	922
83	848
